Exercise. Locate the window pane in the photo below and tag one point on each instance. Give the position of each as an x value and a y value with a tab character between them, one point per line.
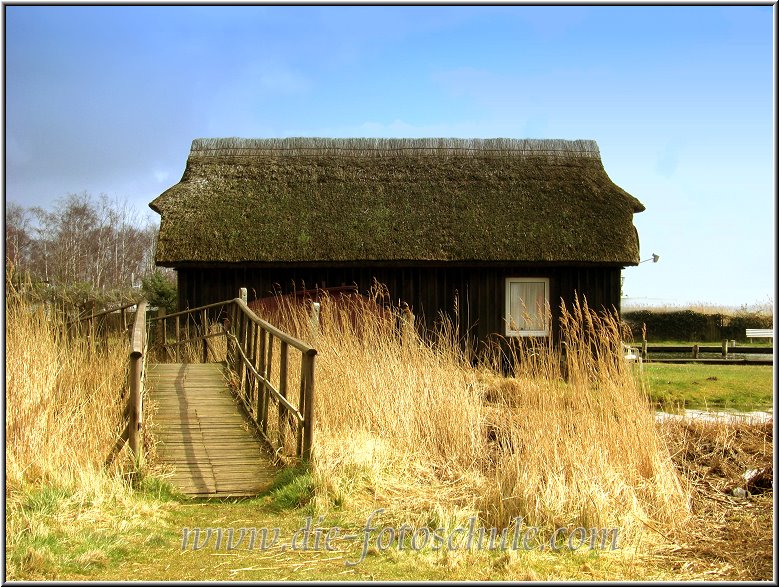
527	305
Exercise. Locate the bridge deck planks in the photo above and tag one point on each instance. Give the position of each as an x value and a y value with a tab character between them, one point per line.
201	432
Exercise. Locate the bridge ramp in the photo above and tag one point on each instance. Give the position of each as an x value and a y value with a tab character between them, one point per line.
202	433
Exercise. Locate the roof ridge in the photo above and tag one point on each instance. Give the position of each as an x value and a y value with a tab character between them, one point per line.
296	146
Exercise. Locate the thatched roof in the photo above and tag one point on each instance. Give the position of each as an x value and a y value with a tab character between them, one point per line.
371	200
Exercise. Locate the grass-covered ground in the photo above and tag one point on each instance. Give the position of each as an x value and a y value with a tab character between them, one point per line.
693	385
154	552
139	534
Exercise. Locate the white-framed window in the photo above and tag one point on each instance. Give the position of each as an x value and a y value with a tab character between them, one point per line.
527	303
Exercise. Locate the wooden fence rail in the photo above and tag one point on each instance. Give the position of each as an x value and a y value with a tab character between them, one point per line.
259	357
195	326
728	354
96	323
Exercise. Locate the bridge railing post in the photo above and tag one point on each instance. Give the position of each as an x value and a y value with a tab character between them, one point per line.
178	339
137	356
204	330
261	390
252	361
307	403
283	354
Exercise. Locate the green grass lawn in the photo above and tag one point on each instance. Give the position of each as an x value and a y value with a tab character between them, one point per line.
692	385
64	540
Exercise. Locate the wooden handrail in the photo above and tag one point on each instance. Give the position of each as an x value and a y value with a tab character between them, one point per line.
250	355
253	339
267	326
280	398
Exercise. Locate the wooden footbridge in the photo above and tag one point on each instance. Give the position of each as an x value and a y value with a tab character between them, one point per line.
221	397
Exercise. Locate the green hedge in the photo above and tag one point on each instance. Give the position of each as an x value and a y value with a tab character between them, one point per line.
693	326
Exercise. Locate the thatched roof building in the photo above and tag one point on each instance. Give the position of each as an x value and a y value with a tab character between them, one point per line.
487	222
447	200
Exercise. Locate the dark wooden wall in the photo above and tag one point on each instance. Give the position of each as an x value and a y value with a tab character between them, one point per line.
428	290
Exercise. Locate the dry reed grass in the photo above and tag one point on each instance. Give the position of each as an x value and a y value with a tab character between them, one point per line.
581	447
64	403
64	396
408	424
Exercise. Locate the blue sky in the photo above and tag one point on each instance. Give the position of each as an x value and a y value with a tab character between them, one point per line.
107	99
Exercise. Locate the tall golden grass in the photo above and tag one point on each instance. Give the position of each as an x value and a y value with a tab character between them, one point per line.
407	423
403	421
64	396
64	403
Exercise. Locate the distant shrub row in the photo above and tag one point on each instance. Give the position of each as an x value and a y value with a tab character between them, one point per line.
694	326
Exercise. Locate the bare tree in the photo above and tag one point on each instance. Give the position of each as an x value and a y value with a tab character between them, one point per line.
83	241
17	235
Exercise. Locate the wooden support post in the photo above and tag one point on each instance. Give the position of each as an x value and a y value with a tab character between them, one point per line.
178	339
302	406
257	359
266	397
724	348
138	345
261	390
407	325
232	353
315	308
244	295
161	330
282	392
240	335
250	328
307	377
204	330
134	427
695	350
643	350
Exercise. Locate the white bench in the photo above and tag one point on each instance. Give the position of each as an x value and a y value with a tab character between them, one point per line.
630	352
760	333
632	355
